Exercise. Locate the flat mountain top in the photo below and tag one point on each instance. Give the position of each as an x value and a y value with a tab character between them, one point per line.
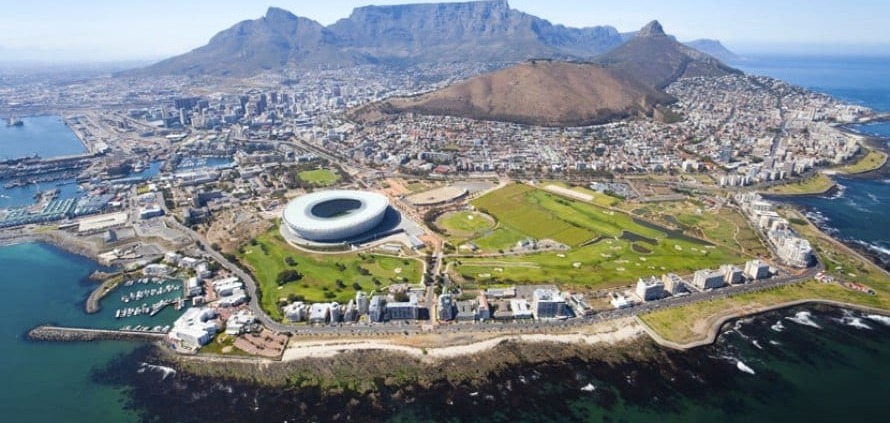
481	31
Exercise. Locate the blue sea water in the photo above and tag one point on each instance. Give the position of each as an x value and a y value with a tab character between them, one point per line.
47	136
46	382
858	212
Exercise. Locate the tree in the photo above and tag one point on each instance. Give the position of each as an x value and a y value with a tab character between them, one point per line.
340	283
288	275
357	286
400	296
290	261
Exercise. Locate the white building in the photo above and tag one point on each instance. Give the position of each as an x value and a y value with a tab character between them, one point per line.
674	283
193	287
227	286
157	270
708	279
618	300
756	269
548	304
520	309
319	312
731	274
650	289
239	322
296	312
195	327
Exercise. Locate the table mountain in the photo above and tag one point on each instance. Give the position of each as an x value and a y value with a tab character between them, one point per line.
481	31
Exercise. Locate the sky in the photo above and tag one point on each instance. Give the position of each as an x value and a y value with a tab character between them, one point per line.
115	30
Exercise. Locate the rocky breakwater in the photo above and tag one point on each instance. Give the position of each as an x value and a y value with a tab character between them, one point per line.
63	334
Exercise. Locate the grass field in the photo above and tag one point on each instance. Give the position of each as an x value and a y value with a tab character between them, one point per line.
464	224
320	177
724	226
691	323
607	263
871	161
815	184
541	215
624	250
499	239
320	272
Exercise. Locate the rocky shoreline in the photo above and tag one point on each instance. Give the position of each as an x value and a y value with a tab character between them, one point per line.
510	381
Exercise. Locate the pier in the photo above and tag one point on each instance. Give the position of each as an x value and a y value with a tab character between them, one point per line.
69	334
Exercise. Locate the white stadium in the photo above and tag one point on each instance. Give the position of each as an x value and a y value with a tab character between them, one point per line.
332	216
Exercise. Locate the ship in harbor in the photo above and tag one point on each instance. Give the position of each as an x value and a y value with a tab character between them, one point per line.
14	121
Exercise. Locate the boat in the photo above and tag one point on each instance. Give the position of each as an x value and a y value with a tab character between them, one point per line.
14	121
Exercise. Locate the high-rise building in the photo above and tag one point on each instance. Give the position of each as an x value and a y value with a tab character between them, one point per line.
650	289
446	307
756	269
377	308
548	304
708	279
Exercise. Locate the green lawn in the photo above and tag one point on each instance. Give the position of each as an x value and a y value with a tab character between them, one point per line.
464	224
499	239
607	263
320	177
690	323
725	226
320	272
524	211
815	184
541	215
871	161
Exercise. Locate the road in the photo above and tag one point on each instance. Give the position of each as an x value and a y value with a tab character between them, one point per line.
393	328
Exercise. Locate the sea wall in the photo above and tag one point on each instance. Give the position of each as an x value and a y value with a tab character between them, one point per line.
63	334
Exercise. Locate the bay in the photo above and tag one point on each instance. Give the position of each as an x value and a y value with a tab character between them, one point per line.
47	136
52	382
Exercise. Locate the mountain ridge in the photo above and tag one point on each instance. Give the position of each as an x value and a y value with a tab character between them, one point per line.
477	31
626	82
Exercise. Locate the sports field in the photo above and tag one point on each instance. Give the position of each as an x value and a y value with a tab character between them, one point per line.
320	177
464	224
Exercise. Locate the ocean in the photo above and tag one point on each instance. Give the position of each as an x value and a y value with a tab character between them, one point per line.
47	136
856	213
797	365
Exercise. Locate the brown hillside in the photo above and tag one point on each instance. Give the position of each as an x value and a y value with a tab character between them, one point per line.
541	93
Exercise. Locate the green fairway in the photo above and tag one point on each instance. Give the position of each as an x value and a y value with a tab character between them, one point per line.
464	224
320	177
607	263
499	239
609	248
724	226
320	272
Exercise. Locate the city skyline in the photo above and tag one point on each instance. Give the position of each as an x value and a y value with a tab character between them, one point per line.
44	31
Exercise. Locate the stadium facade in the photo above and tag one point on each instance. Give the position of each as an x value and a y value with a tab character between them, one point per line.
334	216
